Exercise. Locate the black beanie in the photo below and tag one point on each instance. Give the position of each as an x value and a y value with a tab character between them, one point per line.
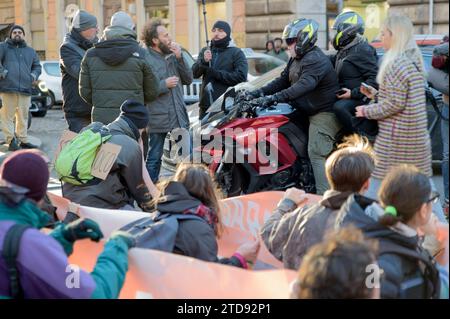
16	26
135	112
224	26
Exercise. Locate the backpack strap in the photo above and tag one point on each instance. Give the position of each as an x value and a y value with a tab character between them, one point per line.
11	245
427	264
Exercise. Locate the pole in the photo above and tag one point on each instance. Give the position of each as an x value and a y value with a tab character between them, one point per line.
206	27
430	17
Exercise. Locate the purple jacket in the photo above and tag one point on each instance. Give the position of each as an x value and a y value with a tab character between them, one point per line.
43	268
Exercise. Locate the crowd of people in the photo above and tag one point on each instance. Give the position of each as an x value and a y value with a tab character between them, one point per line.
379	209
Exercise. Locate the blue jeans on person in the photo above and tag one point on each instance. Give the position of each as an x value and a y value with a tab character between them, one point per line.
444	134
374	186
154	155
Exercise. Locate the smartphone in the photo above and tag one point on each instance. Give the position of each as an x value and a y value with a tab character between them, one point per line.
367	86
340	92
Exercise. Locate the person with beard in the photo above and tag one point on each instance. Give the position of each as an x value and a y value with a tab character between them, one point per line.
82	37
19	70
168	111
223	65
116	69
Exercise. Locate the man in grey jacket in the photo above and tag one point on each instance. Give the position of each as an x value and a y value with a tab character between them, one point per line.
19	70
125	182
168	111
290	231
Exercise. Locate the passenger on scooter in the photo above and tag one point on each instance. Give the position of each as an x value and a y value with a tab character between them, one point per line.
355	62
308	83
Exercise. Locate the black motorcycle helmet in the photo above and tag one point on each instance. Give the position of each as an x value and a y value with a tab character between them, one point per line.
347	25
303	32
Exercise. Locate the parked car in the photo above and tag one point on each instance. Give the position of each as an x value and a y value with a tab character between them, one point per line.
258	64
51	74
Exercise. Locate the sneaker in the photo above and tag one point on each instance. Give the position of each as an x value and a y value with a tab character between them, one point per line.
13	145
27	145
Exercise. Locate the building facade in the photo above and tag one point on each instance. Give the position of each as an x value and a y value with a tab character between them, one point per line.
253	22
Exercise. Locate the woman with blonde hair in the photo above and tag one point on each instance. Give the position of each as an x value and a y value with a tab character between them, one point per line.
192	191
400	106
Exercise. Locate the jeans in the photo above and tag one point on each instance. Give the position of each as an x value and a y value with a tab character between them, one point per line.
375	184
76	124
155	152
345	112
444	134
323	128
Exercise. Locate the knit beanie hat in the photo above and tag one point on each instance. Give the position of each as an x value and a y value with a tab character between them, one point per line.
83	20
122	19
15	27
136	113
224	26
27	169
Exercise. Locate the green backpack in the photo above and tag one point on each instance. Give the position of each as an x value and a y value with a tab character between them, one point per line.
75	160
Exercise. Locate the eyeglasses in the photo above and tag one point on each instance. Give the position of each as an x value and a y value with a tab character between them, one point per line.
434	198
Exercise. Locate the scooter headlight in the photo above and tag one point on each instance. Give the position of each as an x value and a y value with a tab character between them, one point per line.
42	86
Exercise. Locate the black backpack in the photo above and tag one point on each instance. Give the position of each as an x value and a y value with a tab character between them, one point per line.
159	231
11	245
425	284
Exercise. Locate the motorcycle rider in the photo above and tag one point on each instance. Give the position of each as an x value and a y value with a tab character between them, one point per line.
355	62
308	83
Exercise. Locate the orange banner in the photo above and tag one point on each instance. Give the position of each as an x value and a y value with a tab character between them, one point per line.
154	274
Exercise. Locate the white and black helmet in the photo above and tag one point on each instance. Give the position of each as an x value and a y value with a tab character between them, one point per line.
303	32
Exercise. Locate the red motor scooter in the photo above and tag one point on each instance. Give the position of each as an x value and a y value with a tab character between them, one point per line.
251	149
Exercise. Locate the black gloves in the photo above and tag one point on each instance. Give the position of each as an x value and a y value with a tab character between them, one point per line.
251	95
266	101
82	228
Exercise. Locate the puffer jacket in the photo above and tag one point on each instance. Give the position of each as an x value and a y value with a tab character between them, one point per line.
290	232
399	271
308	83
114	70
22	65
124	183
195	238
71	54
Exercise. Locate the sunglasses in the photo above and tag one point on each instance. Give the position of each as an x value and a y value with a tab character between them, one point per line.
434	198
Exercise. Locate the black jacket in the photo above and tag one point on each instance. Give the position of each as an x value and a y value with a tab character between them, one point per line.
398	268
195	238
309	83
356	63
71	54
228	68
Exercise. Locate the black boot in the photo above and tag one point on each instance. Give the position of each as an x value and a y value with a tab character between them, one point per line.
13	145
27	145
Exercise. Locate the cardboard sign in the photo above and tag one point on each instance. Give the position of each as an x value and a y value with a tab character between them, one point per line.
105	159
66	137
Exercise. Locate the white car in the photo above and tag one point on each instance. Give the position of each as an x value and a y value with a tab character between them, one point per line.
51	75
258	64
